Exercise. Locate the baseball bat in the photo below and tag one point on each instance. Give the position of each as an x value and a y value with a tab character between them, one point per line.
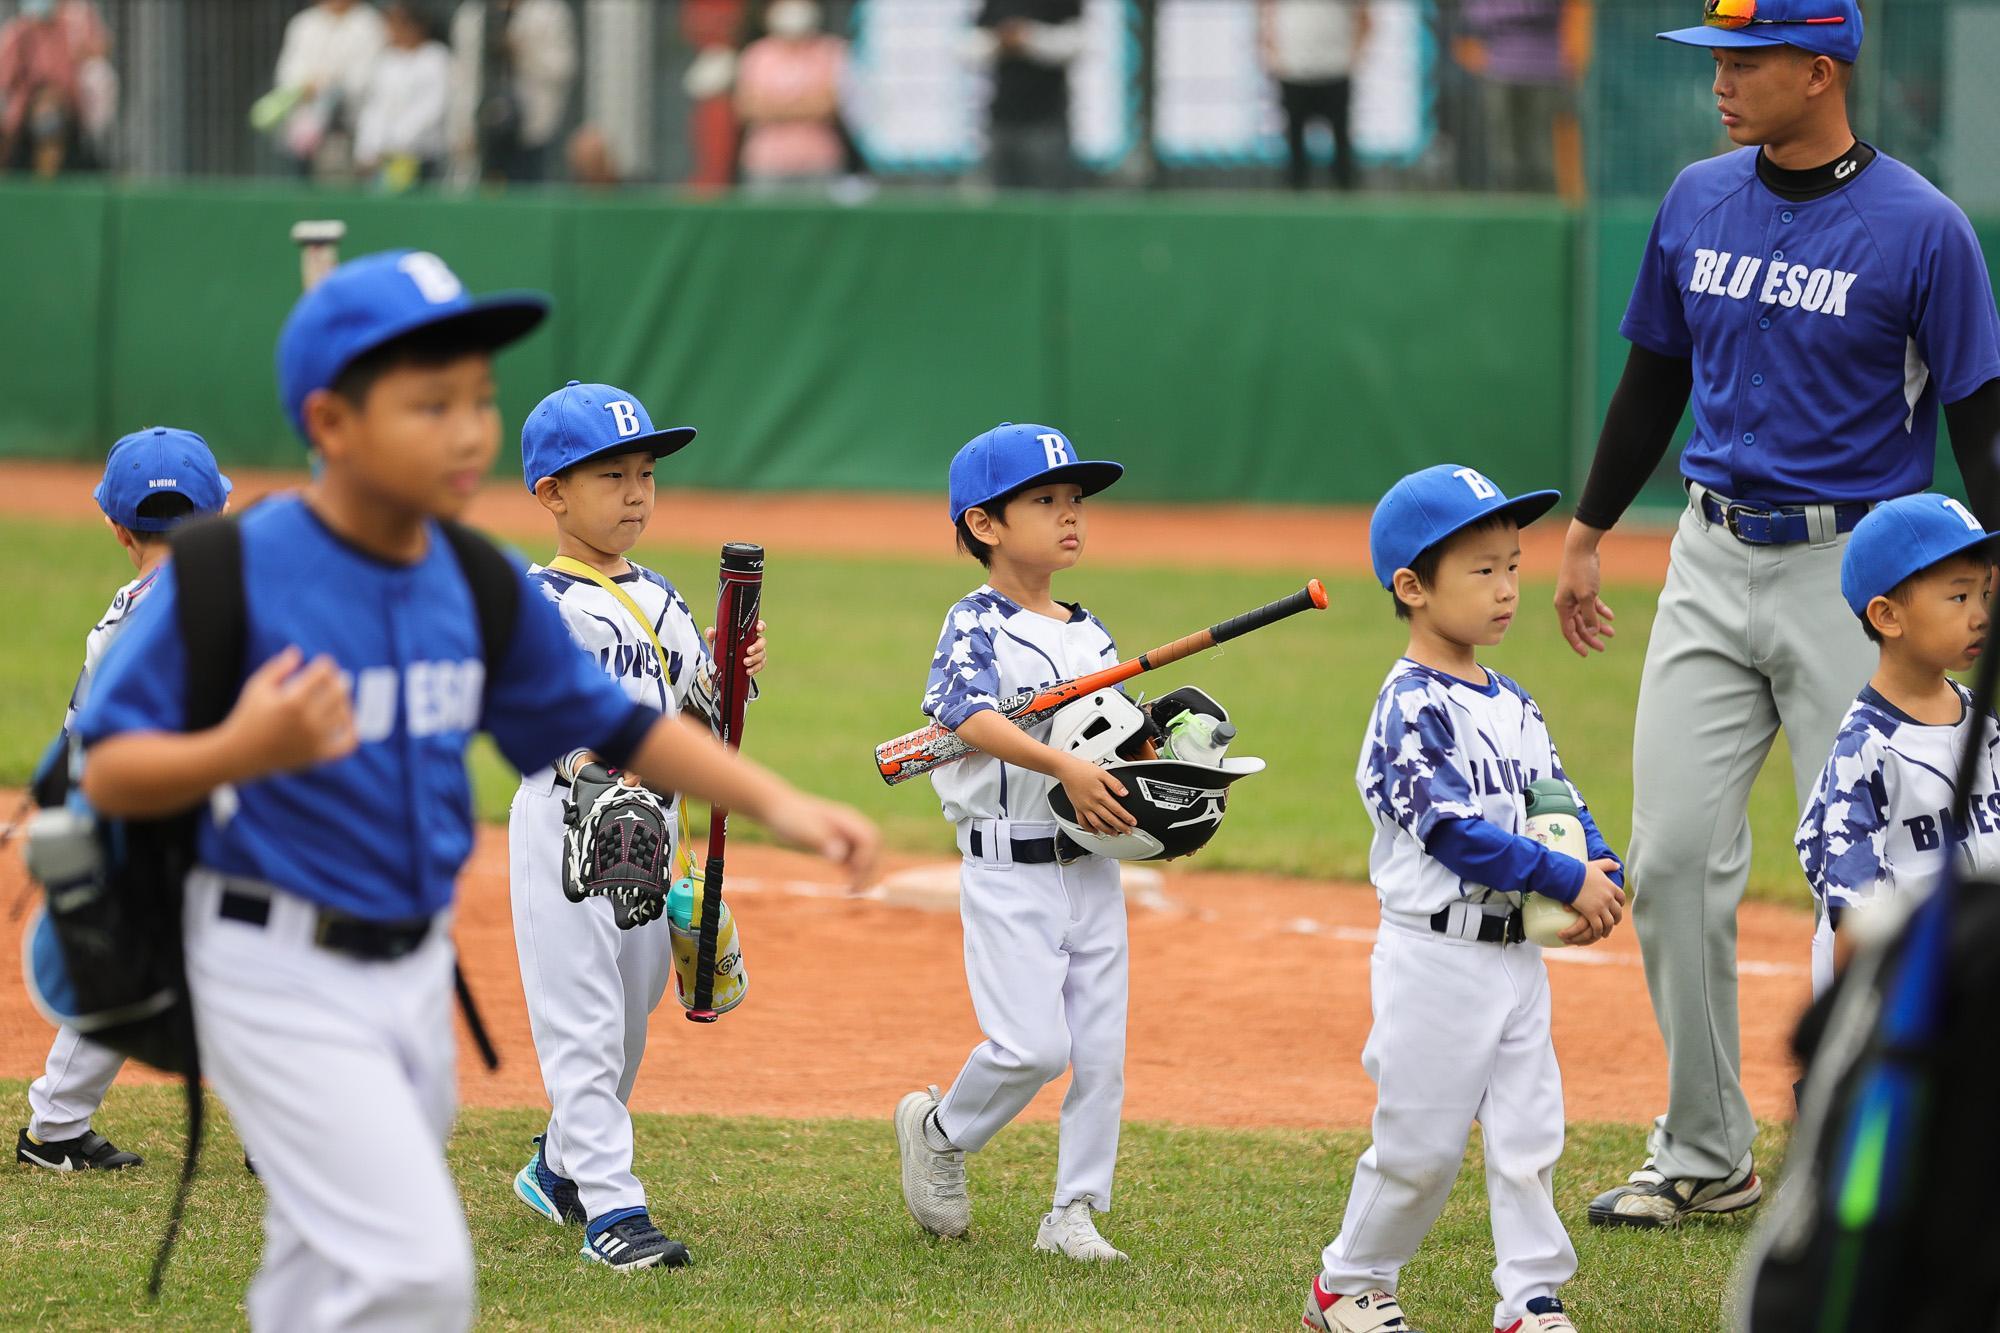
738	598
933	746
319	248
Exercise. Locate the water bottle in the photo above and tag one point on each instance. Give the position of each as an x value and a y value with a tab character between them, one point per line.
1197	738
731	981
1553	821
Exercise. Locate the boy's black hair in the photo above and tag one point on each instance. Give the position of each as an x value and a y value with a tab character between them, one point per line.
997	508
158	506
425	349
1425	566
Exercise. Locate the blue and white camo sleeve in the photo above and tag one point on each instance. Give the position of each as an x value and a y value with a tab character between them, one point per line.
1411	774
964	677
1840	839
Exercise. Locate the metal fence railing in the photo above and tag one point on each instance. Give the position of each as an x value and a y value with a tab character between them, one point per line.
1165	93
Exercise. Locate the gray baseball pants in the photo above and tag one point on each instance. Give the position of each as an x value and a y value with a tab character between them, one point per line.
1747	639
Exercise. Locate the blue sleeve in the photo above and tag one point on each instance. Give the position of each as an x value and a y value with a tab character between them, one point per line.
1957	329
141	683
1594	843
1655	319
1842	836
1482	852
549	697
965	677
1408	774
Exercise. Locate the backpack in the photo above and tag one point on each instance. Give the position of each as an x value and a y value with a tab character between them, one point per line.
104	954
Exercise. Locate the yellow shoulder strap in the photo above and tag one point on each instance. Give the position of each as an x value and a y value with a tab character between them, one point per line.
571	565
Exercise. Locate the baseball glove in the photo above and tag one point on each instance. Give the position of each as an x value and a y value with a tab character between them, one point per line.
618	843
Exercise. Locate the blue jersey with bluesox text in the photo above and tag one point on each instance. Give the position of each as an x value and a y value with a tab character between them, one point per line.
1824	334
382	833
1879	823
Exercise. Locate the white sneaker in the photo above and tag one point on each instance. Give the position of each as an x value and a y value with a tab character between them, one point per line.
1071	1230
933	1181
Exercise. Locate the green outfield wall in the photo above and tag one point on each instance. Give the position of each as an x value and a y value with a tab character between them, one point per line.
1263	349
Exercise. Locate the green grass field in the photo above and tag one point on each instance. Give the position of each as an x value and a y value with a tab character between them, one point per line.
851	643
801	1225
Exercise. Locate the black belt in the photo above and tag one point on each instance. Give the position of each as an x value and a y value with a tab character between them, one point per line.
1780	525
1492	929
371	941
1027	851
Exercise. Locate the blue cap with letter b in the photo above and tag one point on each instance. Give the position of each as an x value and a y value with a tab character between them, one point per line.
377	299
1010	457
1823	27
1903	537
160	460
1425	507
580	421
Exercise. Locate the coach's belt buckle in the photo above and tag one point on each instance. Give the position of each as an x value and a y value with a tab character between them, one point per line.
1733	512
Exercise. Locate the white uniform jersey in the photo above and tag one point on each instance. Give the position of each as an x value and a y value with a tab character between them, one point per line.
1443	748
605	630
1879	821
101	636
991	648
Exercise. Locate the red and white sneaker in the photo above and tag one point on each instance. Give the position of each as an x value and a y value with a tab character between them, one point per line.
1545	1313
1369	1312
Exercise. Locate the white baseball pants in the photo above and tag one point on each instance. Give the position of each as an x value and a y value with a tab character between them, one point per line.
72	1086
1045	957
340	1075
591	989
1461	1033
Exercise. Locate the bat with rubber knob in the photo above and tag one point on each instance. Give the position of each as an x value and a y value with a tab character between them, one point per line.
933	746
737	603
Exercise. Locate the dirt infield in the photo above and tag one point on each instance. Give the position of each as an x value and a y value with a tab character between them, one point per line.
1203	536
1258	1020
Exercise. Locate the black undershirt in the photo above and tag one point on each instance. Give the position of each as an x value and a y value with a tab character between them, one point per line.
1653	392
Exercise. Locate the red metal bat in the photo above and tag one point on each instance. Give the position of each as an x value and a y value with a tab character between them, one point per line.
929	747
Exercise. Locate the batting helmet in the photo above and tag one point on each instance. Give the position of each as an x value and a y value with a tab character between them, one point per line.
1178	800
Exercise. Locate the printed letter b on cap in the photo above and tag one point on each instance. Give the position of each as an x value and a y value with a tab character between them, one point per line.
1056	448
437	283
1964	514
1481	488
623	413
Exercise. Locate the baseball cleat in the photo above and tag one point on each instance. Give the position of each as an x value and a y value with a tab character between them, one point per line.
1071	1230
88	1151
628	1241
1649	1199
549	1194
1367	1312
933	1179
1545	1315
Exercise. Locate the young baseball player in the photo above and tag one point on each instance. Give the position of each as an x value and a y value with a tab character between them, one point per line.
1461	1000
592	980
1918	572
338	811
153	480
1044	941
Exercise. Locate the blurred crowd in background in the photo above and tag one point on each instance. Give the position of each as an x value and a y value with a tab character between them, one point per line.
839	98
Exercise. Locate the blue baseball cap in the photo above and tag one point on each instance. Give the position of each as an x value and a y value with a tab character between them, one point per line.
1903	537
580	421
155	461
376	299
1824	27
1425	507
1009	457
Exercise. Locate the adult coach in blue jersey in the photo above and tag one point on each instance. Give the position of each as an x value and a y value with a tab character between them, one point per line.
1818	300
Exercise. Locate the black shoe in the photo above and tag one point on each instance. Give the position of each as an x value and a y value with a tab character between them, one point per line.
629	1241
88	1151
1648	1199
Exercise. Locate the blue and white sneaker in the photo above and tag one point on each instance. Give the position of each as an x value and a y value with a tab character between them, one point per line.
627	1240
549	1194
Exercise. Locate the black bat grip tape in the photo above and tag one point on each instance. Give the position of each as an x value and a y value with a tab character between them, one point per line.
1301	600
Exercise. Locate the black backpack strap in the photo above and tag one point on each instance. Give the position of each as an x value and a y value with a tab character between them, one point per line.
496	601
214	626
